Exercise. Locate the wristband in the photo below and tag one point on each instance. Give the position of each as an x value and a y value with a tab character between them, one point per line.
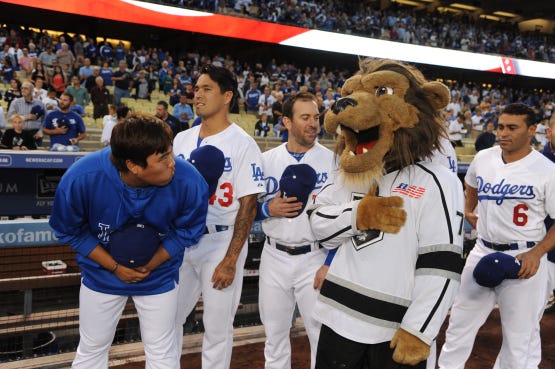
113	270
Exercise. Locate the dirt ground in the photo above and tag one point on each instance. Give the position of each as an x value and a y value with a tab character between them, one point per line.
483	356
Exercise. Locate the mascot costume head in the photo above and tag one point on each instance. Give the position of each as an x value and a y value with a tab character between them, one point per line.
387	118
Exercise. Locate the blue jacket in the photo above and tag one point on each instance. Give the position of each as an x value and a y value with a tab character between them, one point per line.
92	201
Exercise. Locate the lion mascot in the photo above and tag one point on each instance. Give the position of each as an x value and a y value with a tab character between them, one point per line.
395	218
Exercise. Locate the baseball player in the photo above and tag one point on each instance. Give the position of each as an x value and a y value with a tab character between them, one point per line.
291	254
133	186
514	189
214	267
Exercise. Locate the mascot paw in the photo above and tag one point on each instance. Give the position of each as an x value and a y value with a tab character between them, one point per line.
408	349
383	213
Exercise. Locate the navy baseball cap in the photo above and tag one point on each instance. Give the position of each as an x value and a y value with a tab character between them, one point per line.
298	181
133	245
37	110
493	268
62	122
210	162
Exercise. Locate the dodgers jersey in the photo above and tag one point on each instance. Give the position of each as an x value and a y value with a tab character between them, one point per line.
295	231
521	194
377	281
242	174
92	201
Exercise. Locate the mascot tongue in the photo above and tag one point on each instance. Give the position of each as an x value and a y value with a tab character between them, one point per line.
365	145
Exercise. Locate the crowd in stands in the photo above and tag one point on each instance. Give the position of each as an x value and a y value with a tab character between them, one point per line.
459	31
78	65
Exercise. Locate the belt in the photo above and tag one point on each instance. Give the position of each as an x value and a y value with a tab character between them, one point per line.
213	228
291	250
508	246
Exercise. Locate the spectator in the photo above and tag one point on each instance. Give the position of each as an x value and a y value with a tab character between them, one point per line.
486	139
58	80
109	121
123	83
182	111
252	98
16	138
106	73
455	130
100	97
64	55
48	57
13	92
142	86
39	92
25	63
65	127
85	71
31	109
174	123
80	94
262	126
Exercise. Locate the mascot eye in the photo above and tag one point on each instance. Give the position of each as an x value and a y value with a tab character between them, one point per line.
384	90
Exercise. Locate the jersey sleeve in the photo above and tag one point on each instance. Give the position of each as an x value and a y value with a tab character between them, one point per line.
68	218
332	222
189	225
439	261
249	177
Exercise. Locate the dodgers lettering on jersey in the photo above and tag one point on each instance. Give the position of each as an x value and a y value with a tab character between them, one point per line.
501	191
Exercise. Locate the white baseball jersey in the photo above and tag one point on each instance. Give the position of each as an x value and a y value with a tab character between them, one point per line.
517	195
513	200
242	174
294	231
286	280
380	281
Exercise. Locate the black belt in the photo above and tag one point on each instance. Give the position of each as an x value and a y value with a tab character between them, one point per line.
292	250
218	228
506	246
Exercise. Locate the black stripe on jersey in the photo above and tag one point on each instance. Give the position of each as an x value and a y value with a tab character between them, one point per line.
327	216
335	234
445	260
366	305
436	306
443	202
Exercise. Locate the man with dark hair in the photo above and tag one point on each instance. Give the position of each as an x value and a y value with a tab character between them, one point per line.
129	211
513	188
292	255
486	139
175	124
65	127
214	267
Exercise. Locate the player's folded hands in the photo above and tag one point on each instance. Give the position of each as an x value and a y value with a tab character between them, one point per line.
130	275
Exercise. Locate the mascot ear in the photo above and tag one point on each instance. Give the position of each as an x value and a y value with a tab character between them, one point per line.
437	93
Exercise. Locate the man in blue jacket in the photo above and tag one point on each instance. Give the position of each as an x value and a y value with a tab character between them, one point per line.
130	211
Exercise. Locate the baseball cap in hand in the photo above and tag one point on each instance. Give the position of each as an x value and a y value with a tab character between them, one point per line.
493	268
210	162
298	181
133	245
38	111
62	122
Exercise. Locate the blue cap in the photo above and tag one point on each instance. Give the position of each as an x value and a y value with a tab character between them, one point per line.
298	181
133	245
38	111
493	268
210	162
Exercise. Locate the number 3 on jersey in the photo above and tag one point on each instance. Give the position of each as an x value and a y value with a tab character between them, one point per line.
226	197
